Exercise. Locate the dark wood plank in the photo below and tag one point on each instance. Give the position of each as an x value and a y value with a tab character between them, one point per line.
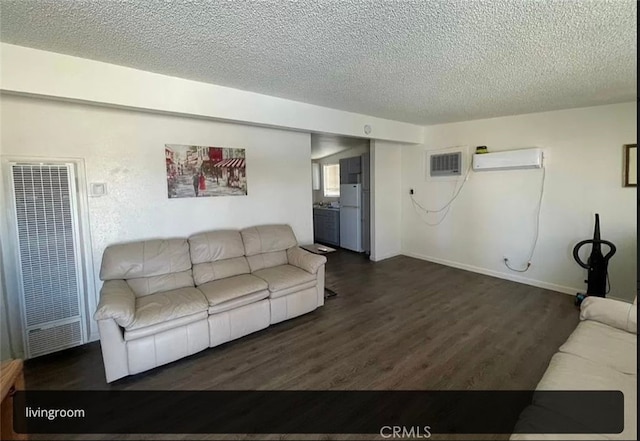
398	324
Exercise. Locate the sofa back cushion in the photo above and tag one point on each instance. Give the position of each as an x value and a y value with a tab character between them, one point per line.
266	245
145	259
210	271
149	266
217	255
267	238
212	246
143	286
267	260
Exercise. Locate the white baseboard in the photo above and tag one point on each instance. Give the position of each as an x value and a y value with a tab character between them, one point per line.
514	278
384	256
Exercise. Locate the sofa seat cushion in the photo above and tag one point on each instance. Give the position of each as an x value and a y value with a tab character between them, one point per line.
571	372
604	345
230	288
160	327
239	302
293	289
166	306
284	277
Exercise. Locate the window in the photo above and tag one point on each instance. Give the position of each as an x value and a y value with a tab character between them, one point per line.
331	180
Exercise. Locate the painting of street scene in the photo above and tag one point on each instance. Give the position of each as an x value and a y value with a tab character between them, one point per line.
194	171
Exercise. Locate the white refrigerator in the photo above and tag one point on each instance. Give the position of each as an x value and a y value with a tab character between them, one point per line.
350	217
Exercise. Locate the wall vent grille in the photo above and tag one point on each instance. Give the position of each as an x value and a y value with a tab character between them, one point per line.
46	229
46	340
446	164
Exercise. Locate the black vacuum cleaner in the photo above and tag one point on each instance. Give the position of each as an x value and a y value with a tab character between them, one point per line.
596	264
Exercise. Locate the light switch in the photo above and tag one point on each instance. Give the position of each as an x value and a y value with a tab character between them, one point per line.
98	189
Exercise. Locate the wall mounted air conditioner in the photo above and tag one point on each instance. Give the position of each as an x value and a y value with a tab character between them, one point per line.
509	160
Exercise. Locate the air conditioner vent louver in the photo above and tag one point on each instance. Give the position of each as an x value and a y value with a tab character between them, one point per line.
446	164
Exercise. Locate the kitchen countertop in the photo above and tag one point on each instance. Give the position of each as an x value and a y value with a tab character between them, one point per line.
326	208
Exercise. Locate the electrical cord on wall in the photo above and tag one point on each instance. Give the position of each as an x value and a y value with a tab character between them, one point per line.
431	224
445	207
537	230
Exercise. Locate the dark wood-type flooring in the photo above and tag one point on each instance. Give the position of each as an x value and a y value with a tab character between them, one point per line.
401	323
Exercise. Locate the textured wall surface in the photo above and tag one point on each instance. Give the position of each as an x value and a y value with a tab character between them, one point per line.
494	215
386	202
125	150
415	61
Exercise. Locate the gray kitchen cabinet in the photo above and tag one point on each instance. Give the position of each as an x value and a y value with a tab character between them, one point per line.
366	171
350	168
326	226
344	171
354	165
318	225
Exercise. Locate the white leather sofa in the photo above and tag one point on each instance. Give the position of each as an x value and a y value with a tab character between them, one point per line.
599	355
165	299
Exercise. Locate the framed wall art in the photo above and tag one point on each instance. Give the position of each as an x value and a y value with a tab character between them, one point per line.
630	174
195	171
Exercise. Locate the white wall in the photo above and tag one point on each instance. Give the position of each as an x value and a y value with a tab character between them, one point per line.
495	212
30	71
318	195
5	346
125	149
386	205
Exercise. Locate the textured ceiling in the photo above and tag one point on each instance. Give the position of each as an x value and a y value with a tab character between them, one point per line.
417	61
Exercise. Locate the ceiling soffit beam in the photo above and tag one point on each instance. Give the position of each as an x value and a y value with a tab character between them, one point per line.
41	73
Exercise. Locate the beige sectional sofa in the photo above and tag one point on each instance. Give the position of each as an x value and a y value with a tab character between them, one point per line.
165	299
601	354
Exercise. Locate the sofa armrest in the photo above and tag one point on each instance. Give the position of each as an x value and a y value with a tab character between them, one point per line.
305	260
611	312
117	302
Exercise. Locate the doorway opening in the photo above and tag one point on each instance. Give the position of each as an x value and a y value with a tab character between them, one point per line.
341	188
